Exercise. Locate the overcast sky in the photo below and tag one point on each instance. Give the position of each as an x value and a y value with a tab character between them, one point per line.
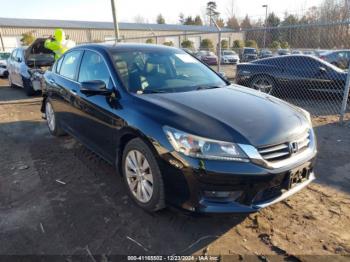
99	10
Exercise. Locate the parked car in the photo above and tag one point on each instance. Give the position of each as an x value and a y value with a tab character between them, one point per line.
292	74
339	58
296	52
309	52
207	57
265	53
229	57
3	63
177	132
24	63
249	54
283	52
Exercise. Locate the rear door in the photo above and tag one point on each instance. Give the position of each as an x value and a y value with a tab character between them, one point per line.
62	88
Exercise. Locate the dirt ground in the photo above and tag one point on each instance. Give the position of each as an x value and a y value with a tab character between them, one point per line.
56	197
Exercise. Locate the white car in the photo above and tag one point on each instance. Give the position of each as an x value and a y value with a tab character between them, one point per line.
3	63
229	57
27	65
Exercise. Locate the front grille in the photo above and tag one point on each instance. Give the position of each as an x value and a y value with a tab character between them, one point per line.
285	150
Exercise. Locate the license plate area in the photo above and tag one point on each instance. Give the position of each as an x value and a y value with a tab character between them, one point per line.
297	176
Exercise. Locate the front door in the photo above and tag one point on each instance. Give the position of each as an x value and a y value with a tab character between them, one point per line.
97	120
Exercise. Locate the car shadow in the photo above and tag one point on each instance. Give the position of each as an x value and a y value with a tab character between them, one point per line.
8	94
81	205
333	142
79	201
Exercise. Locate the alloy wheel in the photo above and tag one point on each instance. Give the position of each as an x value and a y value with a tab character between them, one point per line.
263	85
139	176
50	116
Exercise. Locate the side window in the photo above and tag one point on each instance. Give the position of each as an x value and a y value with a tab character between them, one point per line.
13	55
93	67
58	65
69	64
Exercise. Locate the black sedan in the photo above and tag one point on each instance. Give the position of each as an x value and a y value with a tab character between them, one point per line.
176	131
293	74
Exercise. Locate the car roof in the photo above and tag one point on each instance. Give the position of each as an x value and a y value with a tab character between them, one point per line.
126	47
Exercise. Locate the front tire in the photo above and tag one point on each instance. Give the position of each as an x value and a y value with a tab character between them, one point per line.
11	85
52	121
142	176
263	84
28	87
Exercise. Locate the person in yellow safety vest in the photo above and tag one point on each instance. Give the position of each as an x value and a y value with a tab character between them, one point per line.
58	43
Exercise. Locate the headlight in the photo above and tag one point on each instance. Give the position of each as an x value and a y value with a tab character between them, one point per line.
204	148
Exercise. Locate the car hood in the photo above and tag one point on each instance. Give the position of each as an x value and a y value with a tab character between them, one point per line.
234	114
38	55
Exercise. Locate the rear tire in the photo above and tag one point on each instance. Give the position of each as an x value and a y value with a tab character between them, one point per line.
52	121
142	176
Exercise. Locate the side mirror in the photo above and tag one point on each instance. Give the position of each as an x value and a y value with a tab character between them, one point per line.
95	87
18	59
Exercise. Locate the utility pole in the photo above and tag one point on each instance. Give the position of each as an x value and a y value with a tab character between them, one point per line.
219	44
265	6
115	21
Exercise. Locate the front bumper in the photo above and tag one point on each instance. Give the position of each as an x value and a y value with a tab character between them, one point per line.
188	182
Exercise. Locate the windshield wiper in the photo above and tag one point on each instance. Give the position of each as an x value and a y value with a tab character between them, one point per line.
207	87
153	91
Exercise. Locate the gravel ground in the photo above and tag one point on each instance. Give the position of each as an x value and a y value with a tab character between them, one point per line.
57	197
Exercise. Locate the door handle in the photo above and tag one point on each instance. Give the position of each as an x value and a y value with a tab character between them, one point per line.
51	81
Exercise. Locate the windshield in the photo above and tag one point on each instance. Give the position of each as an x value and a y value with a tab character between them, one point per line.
163	71
4	56
229	53
250	51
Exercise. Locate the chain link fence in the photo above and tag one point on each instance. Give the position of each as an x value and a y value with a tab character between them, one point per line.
306	65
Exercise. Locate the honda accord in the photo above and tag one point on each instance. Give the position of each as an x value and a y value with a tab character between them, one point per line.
177	132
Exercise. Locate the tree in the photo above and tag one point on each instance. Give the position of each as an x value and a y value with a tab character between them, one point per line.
275	45
168	43
198	20
139	19
160	19
220	22
206	44
189	21
150	41
181	18
284	45
246	23
238	44
251	43
187	44
224	44
232	23
212	13
27	38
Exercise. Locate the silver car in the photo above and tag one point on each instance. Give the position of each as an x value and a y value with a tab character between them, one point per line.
25	64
